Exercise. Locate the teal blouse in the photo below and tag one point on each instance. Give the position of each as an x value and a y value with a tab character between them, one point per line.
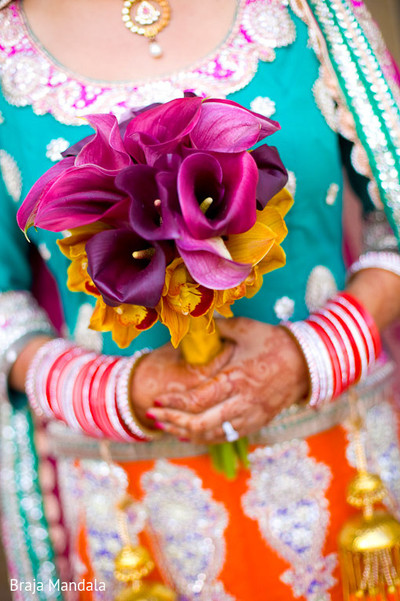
309	149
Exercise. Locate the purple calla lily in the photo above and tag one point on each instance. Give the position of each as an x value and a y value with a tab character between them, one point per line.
125	268
217	193
272	175
154	206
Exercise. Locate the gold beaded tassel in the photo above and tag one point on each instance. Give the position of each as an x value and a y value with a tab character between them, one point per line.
133	563
147	18
369	544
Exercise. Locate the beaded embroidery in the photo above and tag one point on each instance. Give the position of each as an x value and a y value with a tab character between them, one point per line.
11	175
189	528
321	285
287	498
260	26
83	335
55	147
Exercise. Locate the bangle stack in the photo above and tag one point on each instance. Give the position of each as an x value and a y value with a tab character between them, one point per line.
389	261
340	344
88	392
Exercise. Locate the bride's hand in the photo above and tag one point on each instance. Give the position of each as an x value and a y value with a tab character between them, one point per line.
165	371
265	374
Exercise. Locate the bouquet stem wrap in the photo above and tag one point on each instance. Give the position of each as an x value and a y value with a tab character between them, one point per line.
199	347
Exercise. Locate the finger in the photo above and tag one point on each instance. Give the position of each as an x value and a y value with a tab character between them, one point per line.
198	399
207	426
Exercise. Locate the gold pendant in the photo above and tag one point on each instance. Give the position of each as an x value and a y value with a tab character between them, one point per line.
147	18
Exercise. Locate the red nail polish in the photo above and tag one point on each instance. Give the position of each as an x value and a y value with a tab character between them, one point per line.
184	439
149	415
158	404
159	425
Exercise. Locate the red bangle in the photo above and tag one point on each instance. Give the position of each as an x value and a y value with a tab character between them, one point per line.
337	372
97	401
340	349
367	317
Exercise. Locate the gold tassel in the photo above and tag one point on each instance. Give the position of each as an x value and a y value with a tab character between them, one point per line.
134	563
369	544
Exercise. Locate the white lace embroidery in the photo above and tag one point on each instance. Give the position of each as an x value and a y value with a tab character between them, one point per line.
287	498
189	528
31	77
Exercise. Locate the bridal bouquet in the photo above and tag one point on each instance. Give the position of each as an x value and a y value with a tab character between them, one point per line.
170	217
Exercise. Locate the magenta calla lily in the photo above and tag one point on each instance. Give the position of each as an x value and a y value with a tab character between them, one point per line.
225	126
168	124
106	147
27	211
79	196
210	264
121	278
225	182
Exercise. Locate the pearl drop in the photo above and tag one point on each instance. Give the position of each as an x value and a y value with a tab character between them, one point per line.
155	50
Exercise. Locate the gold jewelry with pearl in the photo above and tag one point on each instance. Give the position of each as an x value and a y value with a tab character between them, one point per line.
147	18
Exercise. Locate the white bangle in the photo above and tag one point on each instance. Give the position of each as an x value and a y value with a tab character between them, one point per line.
389	261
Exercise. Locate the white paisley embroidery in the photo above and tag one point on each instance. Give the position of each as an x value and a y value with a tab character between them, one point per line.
287	498
83	335
189	528
11	175
321	285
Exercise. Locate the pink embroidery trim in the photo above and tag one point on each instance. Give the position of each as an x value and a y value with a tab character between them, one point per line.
31	77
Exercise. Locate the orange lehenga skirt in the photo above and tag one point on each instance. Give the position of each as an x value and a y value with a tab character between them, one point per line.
269	534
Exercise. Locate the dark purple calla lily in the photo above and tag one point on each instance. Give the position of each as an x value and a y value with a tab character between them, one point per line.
272	175
210	264
225	126
228	182
118	275
154	206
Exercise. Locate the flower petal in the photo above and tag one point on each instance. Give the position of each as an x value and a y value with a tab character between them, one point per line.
251	246
225	126
27	211
272	175
209	263
105	148
153	201
118	276
168	123
80	195
230	180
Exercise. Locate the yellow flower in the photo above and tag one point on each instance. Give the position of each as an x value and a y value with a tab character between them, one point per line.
260	246
74	248
182	300
125	322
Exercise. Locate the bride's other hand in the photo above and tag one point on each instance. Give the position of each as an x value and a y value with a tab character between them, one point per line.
265	373
165	371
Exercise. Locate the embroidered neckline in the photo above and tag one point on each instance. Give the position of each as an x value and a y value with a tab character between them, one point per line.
259	27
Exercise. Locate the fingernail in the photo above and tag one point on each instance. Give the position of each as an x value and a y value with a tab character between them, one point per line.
158	404
159	425
184	439
149	415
